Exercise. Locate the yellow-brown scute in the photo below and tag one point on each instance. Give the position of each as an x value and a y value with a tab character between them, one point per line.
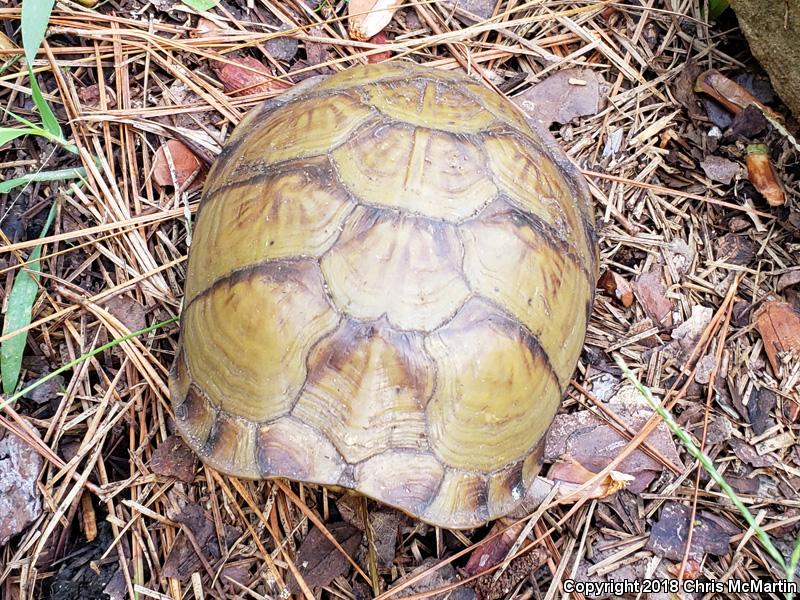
387	291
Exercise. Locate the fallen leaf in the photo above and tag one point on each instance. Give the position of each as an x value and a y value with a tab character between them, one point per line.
245	75
90	96
562	97
46	391
368	17
746	453
788	280
649	289
128	311
734	249
439	576
692	570
570	475
729	93
20	499
720	169
748	123
378	38
668	535
187	167
319	561
173	458
316	52
779	326
282	48
385	526
683	88
480	8
495	549
686	334
617	286
759	410
182	560
592	442
762	174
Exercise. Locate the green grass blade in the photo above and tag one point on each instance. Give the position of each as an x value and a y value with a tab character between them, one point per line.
7	134
35	15
45	112
201	5
57	175
18	315
80	359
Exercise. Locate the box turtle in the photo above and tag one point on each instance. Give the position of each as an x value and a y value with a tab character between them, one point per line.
388	289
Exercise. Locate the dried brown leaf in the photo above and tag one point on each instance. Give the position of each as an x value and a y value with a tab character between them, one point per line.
571	475
368	17
762	175
669	534
617	286
720	169
652	295
90	96
494	550
319	561
562	97
173	458
729	93
187	166
779	326
246	75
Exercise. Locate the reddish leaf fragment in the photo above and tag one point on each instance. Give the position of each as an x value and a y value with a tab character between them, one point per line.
779	326
20	500
246	75
729	93
494	551
762	174
692	570
652	295
618	287
173	458
187	167
669	534
378	38
319	561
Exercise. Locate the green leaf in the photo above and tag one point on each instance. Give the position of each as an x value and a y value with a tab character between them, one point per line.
48	118
58	175
35	15
18	315
7	134
201	5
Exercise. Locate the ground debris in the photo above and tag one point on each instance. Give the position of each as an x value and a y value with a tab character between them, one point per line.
173	458
319	561
669	534
720	169
562	97
779	326
617	286
20	499
182	168
439	576
651	292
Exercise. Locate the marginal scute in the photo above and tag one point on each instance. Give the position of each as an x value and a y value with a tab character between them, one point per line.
230	447
304	128
405	267
461	501
495	391
194	416
534	184
505	490
288	213
366	389
403	479
433	173
290	448
533	464
246	339
499	107
509	261
431	104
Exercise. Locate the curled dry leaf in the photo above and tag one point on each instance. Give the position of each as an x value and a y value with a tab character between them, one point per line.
571	475
618	287
779	326
186	165
378	38
729	93
368	17
246	75
762	174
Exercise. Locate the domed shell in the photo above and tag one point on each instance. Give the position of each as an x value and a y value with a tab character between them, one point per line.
388	290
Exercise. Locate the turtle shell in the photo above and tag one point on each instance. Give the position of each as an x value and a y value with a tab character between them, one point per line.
388	290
